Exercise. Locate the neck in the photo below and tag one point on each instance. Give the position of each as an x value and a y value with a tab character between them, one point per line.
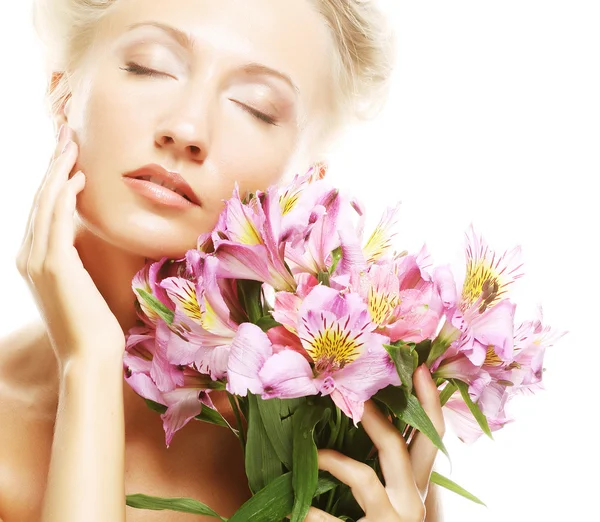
112	270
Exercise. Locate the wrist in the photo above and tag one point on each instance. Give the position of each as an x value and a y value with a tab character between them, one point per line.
95	366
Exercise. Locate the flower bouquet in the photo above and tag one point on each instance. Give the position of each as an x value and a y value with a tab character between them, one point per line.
299	321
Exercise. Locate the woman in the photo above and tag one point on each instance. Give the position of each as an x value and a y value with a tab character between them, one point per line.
193	94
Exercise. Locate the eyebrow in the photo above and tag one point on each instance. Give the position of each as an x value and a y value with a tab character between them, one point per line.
187	41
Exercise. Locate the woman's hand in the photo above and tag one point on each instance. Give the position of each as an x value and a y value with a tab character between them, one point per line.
78	320
406	474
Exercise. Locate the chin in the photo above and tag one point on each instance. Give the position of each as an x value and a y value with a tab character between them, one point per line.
148	236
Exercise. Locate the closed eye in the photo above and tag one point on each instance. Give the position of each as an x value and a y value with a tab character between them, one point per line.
257	114
140	70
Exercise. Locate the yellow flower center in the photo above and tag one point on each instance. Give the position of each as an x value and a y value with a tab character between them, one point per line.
481	281
382	306
333	348
189	303
288	201
491	357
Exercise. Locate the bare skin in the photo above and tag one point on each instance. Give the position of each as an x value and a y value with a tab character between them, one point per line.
28	402
74	438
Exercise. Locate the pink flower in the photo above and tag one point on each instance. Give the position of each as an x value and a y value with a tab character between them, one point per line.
147	368
484	317
403	299
532	339
310	247
343	356
247	244
202	327
492	402
148	280
185	402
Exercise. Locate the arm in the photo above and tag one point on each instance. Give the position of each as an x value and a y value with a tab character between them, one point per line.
433	504
86	472
86	476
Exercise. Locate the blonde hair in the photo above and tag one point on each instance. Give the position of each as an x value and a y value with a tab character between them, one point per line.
361	71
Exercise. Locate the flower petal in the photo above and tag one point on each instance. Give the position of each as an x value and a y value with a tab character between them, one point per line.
287	375
249	351
183	405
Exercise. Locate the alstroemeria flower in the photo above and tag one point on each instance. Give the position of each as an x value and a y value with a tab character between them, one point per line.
493	400
246	244
186	402
147	367
380	240
482	314
402	298
203	328
310	249
347	359
531	340
148	280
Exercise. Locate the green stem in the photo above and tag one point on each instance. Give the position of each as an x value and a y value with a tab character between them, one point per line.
330	500
238	420
342	425
335	429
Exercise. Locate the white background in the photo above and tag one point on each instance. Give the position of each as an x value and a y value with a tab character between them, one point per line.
494	118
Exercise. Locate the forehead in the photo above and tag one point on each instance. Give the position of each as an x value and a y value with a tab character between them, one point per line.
287	35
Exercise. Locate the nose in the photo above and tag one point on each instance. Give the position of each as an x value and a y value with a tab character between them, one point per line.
183	133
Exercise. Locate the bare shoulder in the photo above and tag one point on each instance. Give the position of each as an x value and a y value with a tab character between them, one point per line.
28	399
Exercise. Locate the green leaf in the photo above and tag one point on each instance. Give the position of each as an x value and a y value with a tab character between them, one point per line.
447	392
276	416
323	278
266	322
326	483
438	347
423	349
481	419
250	293
155	406
440	480
447	335
212	417
415	415
408	408
163	312
275	501
336	255
305	472
183	505
406	360
262	463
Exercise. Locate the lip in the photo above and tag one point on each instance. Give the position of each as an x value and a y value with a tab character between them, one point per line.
158	193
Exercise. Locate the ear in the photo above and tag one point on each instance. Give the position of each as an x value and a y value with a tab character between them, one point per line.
60	113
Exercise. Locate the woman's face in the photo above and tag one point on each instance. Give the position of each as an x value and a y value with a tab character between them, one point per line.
217	90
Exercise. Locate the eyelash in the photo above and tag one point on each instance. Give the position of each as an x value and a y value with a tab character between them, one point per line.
257	114
140	70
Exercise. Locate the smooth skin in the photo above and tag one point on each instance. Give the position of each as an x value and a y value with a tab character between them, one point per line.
76	439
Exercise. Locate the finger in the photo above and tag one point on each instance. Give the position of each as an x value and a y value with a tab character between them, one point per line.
422	450
394	457
61	142
317	515
45	208
62	229
363	481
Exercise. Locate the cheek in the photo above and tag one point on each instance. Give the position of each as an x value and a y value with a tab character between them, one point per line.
247	153
111	126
